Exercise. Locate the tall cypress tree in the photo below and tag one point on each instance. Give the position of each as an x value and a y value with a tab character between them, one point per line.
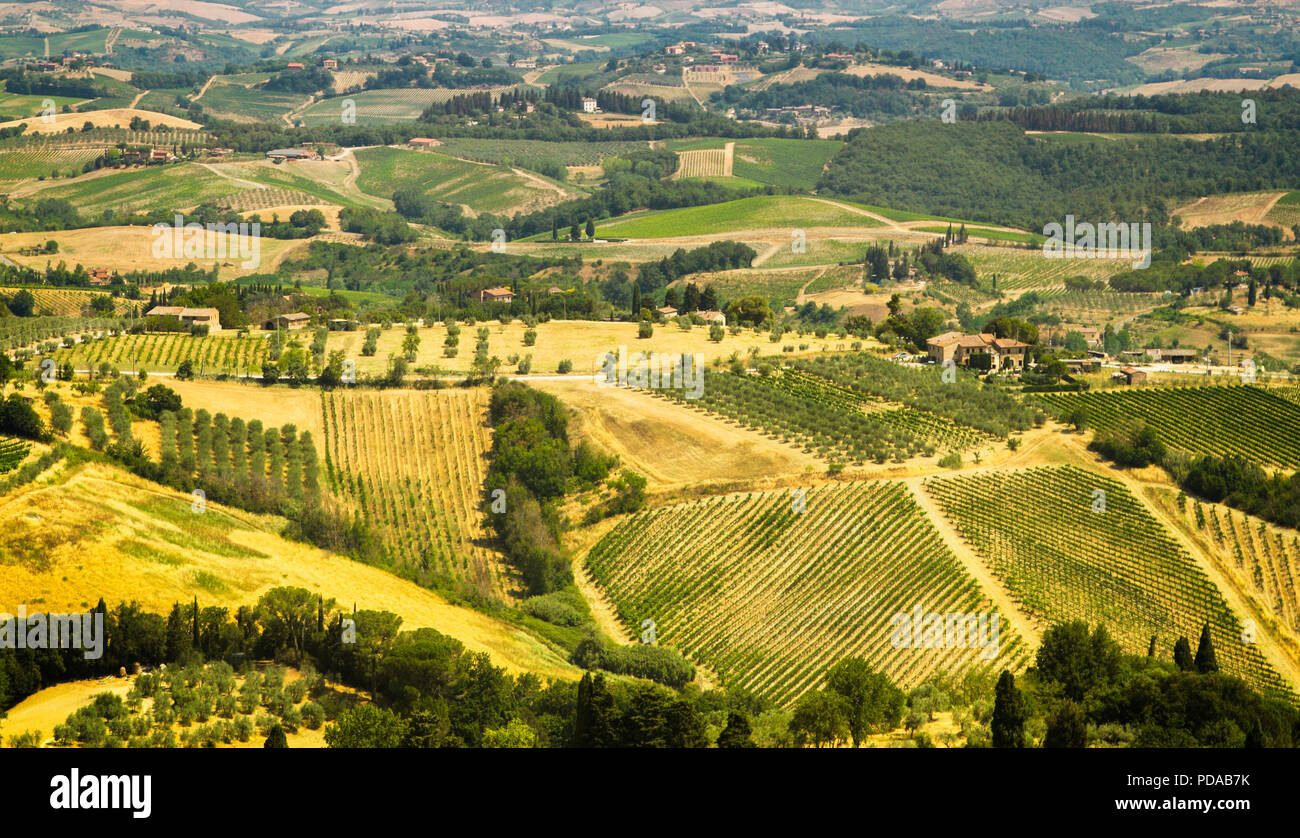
1183	655
1151	647
1205	660
1008	713
195	640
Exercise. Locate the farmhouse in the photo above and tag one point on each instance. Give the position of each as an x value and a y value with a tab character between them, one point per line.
713	317
525	64
296	320
423	142
295	65
342	324
588	104
330	64
1004	353
1090	333
667	311
209	317
496	295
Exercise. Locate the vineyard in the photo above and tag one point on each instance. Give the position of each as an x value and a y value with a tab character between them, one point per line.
528	153
258	199
1088	304
158	352
479	187
12	453
769	597
43	162
377	106
964	400
1028	269
69	302
413	464
834	423
703	162
1286	211
1250	422
1266	557
1063	557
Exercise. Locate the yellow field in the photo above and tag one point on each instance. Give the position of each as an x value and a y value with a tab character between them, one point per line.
672	445
579	341
98	531
1246	207
125	249
111	118
413	463
274	406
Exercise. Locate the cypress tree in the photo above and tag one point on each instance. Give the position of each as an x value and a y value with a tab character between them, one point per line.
1183	655
195	640
275	738
1151	647
178	639
1008	713
1205	661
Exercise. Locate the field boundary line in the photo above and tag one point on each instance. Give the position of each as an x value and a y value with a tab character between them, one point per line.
970	559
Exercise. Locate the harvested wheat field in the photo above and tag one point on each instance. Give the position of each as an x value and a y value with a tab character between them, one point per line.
1246	207
111	118
670	444
126	249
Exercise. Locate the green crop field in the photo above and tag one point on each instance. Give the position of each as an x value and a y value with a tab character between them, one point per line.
228	97
155	187
820	252
527	153
24	106
481	188
380	106
769	597
1064	552
792	164
1250	422
757	213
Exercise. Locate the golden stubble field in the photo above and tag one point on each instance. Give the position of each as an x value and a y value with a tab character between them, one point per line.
95	531
126	249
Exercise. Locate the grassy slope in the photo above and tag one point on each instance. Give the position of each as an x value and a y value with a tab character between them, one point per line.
96	531
482	188
759	212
